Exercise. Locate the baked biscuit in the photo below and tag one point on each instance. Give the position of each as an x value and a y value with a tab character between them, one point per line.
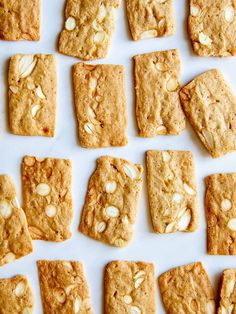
111	203
227	292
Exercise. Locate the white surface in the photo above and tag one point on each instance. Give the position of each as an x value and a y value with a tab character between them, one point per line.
166	251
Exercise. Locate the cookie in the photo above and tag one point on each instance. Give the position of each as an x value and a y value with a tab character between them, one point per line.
16	296
149	19
212	26
111	203
47	199
210	107
32	95
158	109
20	20
64	288
227	292
172	191
187	289
129	288
100	103
88	28
220	201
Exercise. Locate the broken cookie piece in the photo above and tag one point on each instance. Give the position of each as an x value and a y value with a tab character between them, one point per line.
227	292
150	18
64	288
111	203
32	95
88	28
47	199
129	288
100	102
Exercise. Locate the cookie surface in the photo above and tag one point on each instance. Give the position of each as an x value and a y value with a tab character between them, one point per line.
15	240
88	28
212	26
47	199
129	288
100	102
187	289
227	292
64	288
16	296
111	203
210	106
221	214
172	191
149	19
20	20
158	109
32	95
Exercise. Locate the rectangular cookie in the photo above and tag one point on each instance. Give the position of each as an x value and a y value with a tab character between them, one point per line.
220	202
172	191
15	240
20	20
88	28
111	203
100	103
64	288
158	109
129	288
149	19
187	290
210	106
16	296
47	199
32	95
212	26
227	292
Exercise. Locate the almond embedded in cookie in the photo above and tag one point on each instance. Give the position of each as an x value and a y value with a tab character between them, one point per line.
227	292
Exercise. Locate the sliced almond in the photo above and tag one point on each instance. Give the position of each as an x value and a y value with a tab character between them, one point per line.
226	205
170	227
138	282
119	242
39	92
160	66
99	37
177	198
93	82
229	14
230	287
91	113
208	138
172	85
60	295
130	171
194	10
166	156
14	89
211	307
204	39
20	289
29	161
166	212
224	310
9	257
139	274
70	288
128	299
101	226
43	189
102	12
112	212
111	186
162	23
67	264
98	98
184	220
5	209
88	127
77	305
51	210
125	220
35	109
162	129
232	224
30	85
26	65
15	203
96	26
188	189
148	34
70	24
135	310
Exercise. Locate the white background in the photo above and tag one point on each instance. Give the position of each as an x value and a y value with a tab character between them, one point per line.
166	251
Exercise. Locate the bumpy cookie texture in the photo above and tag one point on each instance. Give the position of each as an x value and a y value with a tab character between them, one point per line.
32	95
16	296
64	288
158	109
220	203
212	27
111	203
210	106
150	18
88	28
20	20
187	290
47	199
228	292
100	102
172	191
15	240
129	288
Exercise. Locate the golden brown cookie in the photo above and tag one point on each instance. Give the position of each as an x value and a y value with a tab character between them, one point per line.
227	292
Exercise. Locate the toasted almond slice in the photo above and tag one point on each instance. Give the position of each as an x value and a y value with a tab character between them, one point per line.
172	85
14	89
67	264
204	39
96	26
70	288
20	289
139	274
70	24
166	156
88	127
229	14
111	186
188	189
130	171
148	34
232	224
138	282
39	92
135	310
210	307
128	299
194	10
26	65
99	37
43	189
15	203
162	67
125	220
162	129
91	113
9	257
29	161
102	12
93	84
166	212
112	212
5	209
230	287
77	305
51	210
35	109
226	205
30	85
177	197
162	23
60	295
184	220
208	138
101	226
170	227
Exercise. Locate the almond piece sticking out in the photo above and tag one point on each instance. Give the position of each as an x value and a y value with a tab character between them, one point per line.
15	203
101	226
172	84
26	65
35	109
177	198
134	310
112	212
130	171
184	220
20	289
9	257
77	305
102	12
60	295
70	24
39	92
99	37
232	224
226	205
128	299
148	34
14	89
160	66
138	282
43	189
188	189
111	186
50	210
166	156
210	307
170	227
88	127
194	10
204	39
5	209
229	14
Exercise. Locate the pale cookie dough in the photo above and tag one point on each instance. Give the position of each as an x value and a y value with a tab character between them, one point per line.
111	204
100	102
20	20
212	27
150	18
172	191
228	292
187	290
15	240
220	203
47	199
158	109
32	95
16	296
210	106
88	28
129	288
64	288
